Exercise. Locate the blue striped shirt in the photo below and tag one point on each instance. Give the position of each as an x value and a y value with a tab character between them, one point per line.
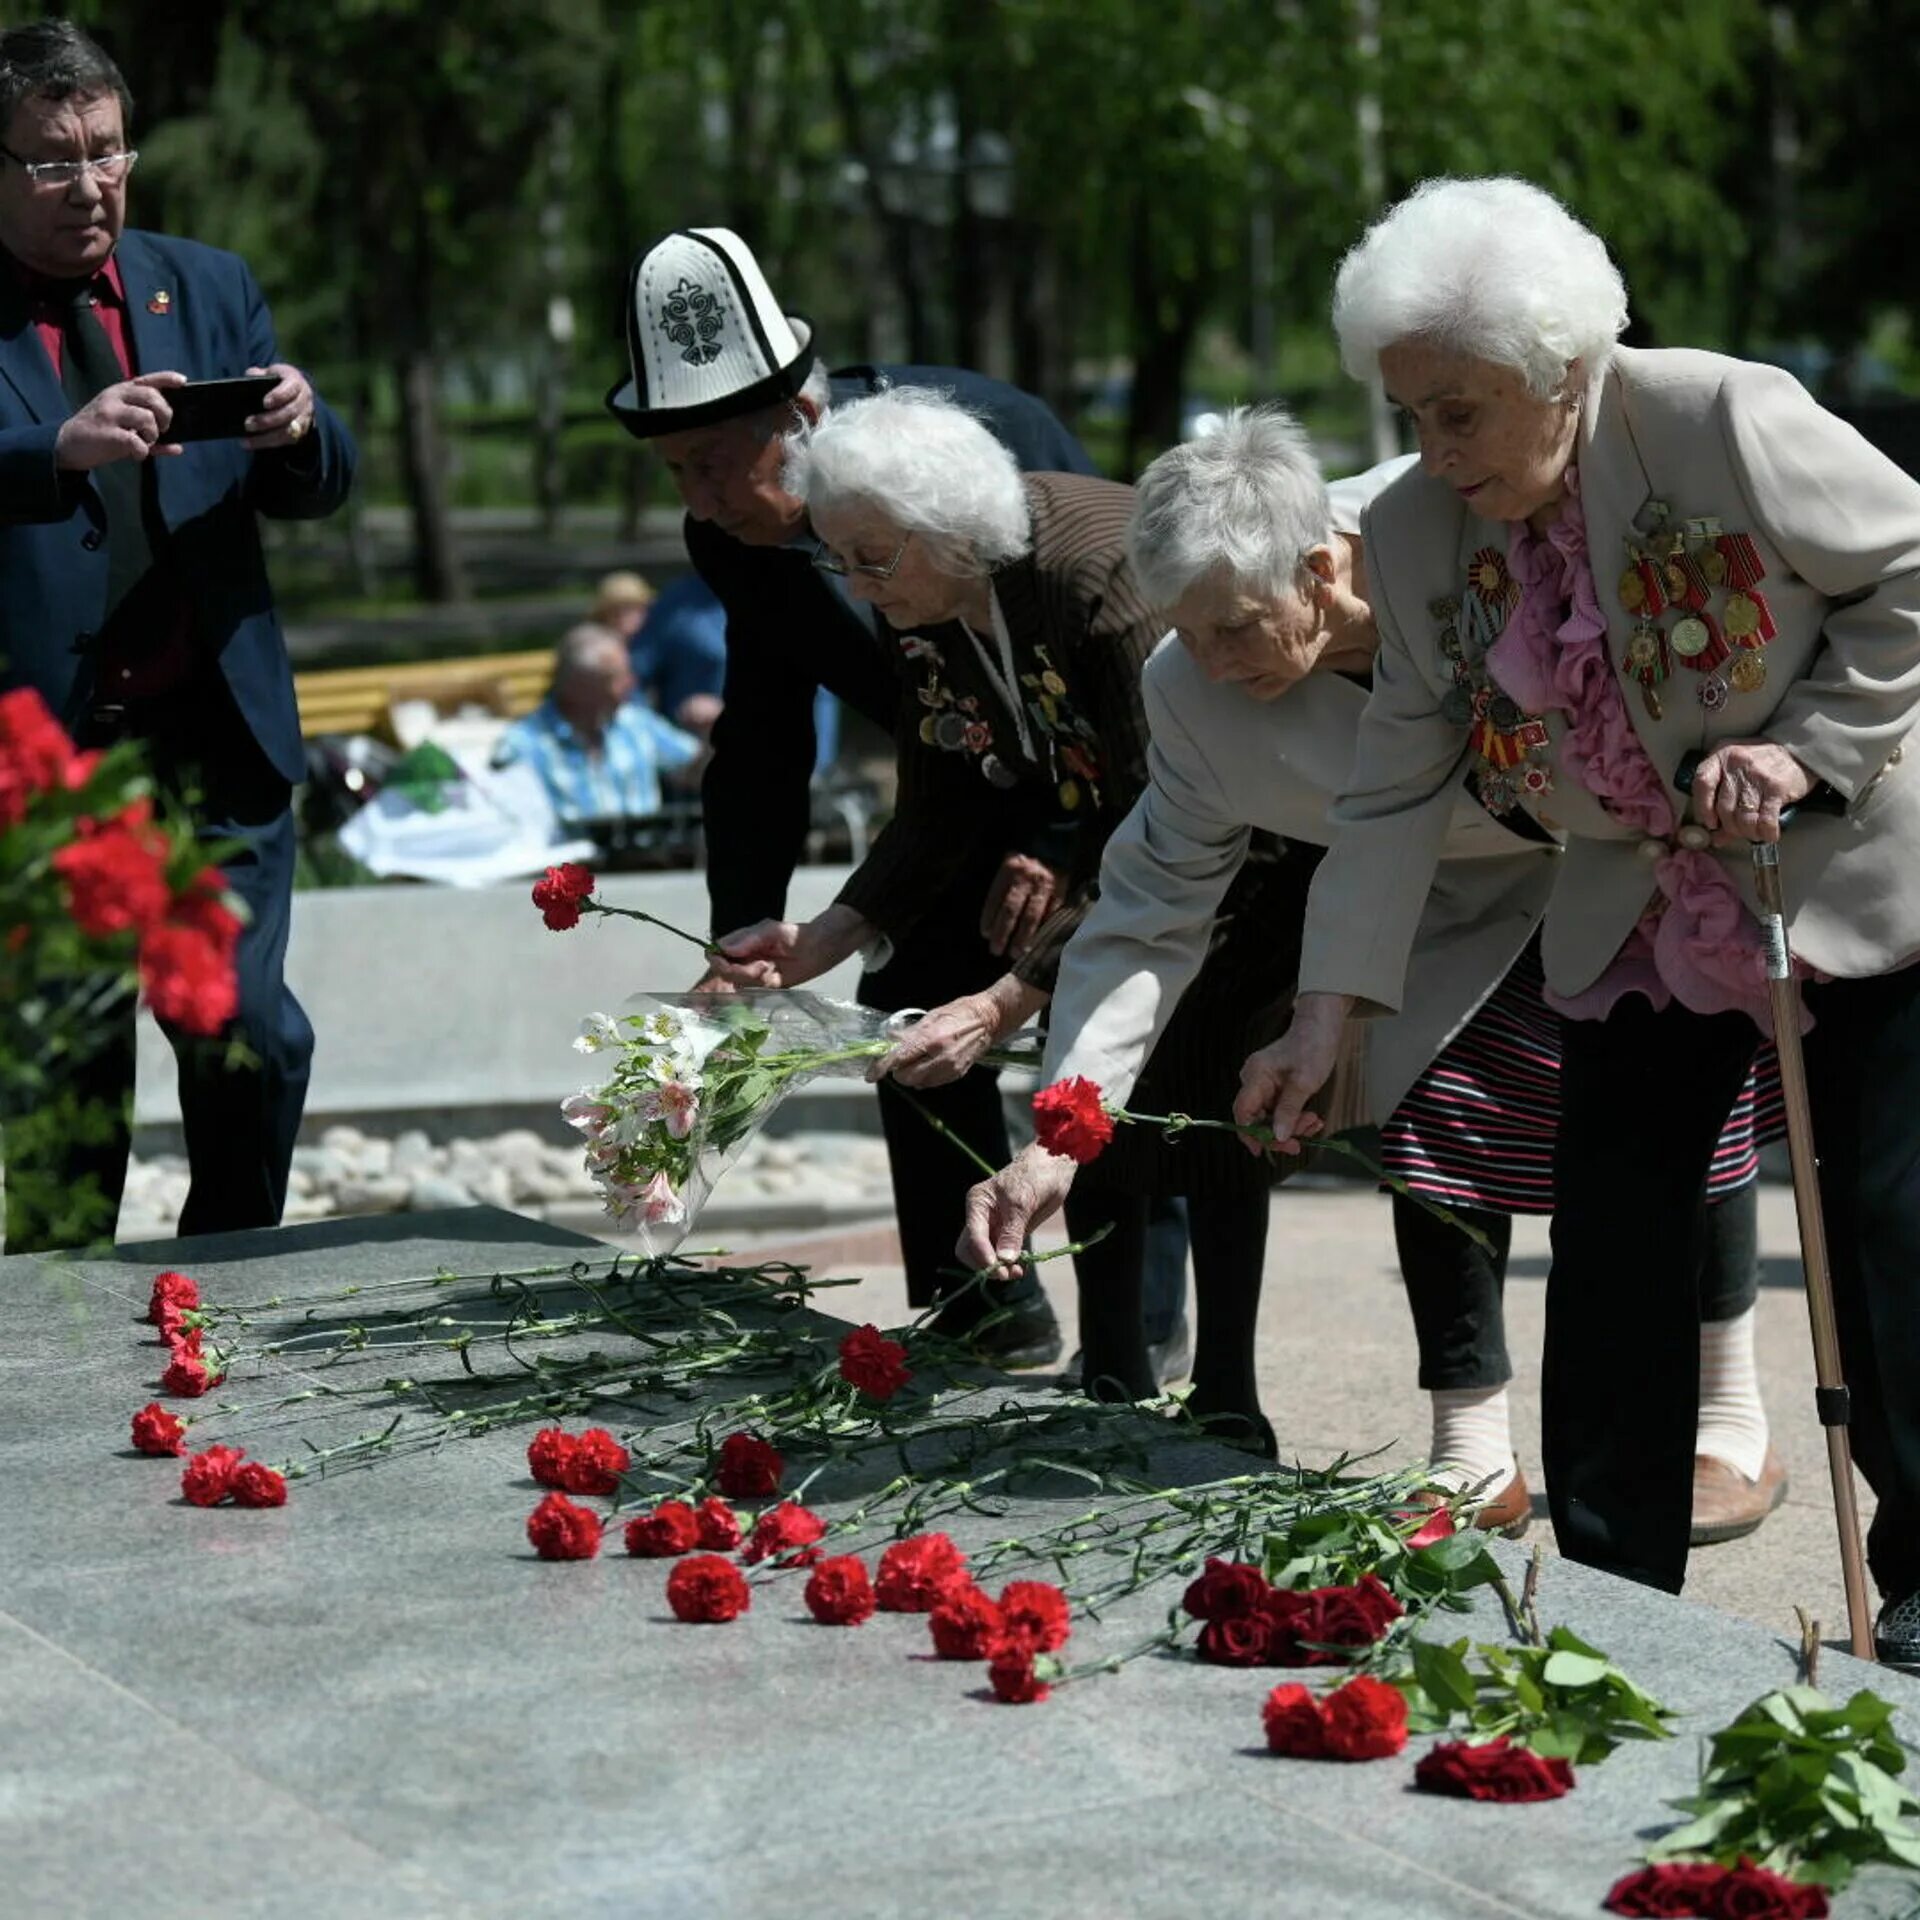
621	781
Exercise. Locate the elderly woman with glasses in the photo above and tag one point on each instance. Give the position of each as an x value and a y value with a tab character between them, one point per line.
1253	705
1613	561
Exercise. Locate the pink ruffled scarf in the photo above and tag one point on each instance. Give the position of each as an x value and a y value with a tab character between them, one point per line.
1696	942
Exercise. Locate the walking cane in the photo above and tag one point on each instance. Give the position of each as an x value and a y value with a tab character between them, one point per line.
1830	1391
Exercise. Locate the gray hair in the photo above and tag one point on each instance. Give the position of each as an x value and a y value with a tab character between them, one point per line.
54	60
927	465
581	650
1495	268
1246	500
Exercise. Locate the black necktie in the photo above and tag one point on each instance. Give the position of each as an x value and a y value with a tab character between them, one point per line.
88	364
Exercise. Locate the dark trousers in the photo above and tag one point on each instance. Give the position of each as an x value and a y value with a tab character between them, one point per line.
1644	1096
240	1111
1456	1287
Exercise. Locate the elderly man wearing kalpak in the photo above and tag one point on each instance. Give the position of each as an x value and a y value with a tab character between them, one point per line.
1609	560
719	374
1253	703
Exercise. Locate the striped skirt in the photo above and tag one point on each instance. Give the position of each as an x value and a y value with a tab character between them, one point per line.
1477	1128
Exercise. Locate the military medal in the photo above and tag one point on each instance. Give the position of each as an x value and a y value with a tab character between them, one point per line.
1683	571
1502	736
160	302
998	773
1689	638
1748	673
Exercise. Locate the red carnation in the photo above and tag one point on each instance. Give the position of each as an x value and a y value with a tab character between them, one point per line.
1492	1770
182	1340
781	1530
916	1573
558	894
1364	1720
188	1376
839	1594
748	1469
115	876
1010	1668
1070	1119
157	1431
873	1363
672	1528
719	1526
188	978
595	1463
560	1530
706	1588
35	754
208	1477
966	1625
550	1456
1036	1611
1226	1590
1294	1723
256	1485
1668	1892
173	1290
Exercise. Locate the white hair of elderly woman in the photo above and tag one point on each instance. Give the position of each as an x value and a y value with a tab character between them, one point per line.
923	463
1246	500
1495	268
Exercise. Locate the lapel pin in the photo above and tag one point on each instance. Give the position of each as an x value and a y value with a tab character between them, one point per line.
161	302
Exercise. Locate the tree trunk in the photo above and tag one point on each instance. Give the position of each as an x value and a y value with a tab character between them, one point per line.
1166	317
437	573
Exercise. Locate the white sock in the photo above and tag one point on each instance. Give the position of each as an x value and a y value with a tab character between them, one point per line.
1733	1423
1472	1441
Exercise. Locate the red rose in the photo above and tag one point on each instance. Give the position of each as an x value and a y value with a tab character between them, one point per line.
157	1431
558	894
1365	1720
706	1587
874	1364
171	1290
839	1594
781	1529
115	877
748	1468
208	1477
916	1573
966	1625
1354	1616
1036	1611
719	1526
1438	1525
1675	1889
1225	1591
1010	1669
1242	1641
1747	1892
550	1456
255	1485
1286	1618
35	754
1294	1723
1069	1119
560	1530
596	1463
672	1528
1492	1770
187	1375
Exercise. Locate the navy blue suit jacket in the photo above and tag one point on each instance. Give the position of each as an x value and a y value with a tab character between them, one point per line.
790	631
199	312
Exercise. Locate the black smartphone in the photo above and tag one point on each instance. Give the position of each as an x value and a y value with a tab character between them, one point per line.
215	409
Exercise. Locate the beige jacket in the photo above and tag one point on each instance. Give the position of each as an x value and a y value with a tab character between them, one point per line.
1837	527
1219	764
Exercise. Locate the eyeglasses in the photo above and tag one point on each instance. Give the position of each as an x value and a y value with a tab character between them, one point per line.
107	168
830	562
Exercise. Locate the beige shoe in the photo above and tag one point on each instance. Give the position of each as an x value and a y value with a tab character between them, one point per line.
1726	1504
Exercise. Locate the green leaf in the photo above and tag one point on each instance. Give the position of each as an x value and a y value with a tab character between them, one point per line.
1568	1669
1442	1674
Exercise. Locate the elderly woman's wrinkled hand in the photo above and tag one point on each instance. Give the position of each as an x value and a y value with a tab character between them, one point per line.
1001	1212
1277	1082
1024	892
1740	788
941	1045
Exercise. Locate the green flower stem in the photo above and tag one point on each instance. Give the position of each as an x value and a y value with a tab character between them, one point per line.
591	905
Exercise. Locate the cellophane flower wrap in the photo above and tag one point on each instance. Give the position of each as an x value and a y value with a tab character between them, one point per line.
691	1080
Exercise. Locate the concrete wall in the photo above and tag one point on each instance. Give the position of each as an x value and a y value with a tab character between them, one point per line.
429	998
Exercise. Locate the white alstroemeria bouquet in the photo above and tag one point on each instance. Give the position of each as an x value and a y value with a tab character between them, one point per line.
694	1078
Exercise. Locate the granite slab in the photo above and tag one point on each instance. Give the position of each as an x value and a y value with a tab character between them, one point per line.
376	1701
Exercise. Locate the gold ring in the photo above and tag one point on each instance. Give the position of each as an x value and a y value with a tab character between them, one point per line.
296	430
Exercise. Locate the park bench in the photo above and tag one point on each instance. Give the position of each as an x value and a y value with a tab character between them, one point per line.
357	699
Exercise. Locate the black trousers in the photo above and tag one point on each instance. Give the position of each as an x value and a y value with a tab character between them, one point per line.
1644	1095
240	1112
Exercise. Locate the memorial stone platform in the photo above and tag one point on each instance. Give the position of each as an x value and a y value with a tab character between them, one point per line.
375	1701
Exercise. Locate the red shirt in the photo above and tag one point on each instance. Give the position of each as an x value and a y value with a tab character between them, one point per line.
109	307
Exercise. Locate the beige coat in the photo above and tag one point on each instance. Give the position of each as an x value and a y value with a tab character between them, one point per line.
1837	527
1219	764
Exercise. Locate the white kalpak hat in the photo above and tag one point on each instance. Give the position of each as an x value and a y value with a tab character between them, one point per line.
705	336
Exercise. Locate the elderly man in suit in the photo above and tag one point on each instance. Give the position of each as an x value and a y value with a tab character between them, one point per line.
133	587
1612	559
719	375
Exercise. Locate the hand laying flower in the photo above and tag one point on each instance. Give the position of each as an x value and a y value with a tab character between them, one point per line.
948	1042
788	953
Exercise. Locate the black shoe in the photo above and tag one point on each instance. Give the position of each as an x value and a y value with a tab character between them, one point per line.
1896	1634
1021	1338
1247	1432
